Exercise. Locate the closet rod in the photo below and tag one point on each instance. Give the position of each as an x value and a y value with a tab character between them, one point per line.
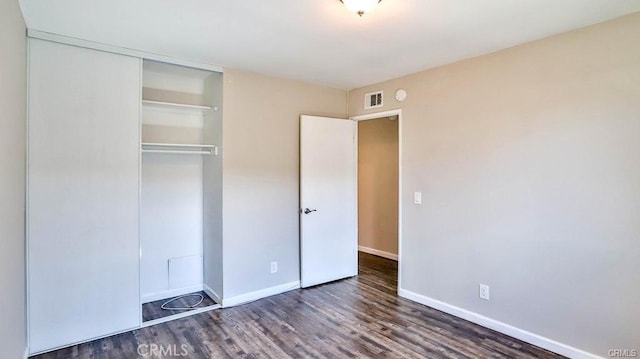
176	105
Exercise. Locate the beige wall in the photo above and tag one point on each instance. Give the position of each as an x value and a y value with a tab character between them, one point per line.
261	175
529	164
378	184
13	80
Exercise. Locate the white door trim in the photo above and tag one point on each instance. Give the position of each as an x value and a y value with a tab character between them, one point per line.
371	116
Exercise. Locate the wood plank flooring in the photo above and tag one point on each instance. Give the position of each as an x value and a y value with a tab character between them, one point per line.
153	310
360	317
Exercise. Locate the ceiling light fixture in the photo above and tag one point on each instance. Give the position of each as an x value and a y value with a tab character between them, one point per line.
360	6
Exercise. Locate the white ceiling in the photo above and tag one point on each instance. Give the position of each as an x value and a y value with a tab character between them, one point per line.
319	41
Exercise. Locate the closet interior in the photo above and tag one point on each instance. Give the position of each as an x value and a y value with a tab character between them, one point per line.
124	192
180	190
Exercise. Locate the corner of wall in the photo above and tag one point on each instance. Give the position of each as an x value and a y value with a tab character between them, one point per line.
13	104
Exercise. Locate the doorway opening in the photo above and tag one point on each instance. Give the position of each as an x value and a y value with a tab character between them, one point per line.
379	184
329	187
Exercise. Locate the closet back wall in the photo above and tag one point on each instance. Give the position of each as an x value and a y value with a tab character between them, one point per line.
171	216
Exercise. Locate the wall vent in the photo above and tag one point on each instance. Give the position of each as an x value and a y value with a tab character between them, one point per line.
373	100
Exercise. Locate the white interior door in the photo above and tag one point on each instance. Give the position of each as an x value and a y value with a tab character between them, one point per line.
328	198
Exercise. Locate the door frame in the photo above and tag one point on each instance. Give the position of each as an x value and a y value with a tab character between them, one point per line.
373	116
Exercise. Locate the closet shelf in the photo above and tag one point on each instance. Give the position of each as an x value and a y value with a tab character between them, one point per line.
156	144
175	105
179	148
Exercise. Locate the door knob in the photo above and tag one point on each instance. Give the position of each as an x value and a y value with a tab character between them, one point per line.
307	210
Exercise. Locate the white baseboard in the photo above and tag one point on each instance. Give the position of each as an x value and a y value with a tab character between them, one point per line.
378	253
498	326
146	298
26	353
211	293
259	294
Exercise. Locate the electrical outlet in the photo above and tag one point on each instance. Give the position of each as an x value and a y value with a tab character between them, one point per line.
274	267
484	291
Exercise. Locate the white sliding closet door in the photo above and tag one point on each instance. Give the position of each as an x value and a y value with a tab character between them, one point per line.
83	185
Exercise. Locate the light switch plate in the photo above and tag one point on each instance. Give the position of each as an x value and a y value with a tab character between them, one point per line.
417	197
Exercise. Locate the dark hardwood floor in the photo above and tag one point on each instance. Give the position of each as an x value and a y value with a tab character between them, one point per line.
153	310
359	317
